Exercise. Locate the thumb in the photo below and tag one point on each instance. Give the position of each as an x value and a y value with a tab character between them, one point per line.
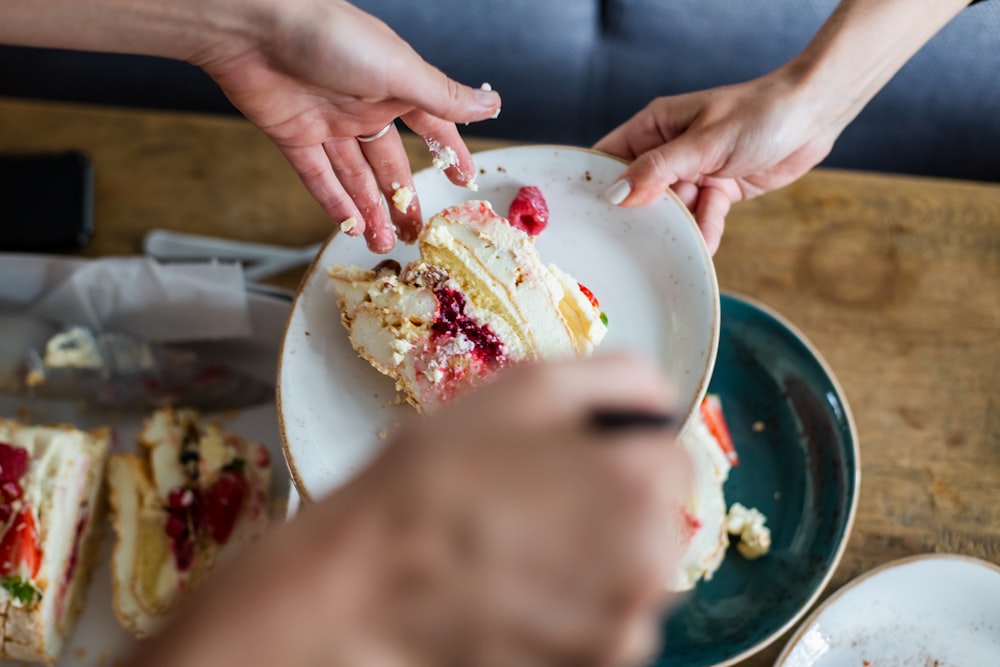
426	87
685	158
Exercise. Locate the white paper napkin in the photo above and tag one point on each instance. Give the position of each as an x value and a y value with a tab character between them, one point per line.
157	302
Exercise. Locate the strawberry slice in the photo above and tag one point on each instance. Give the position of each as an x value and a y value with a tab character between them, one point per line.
711	413
529	212
19	548
223	502
590	295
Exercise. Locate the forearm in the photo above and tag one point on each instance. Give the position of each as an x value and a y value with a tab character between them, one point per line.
183	30
862	45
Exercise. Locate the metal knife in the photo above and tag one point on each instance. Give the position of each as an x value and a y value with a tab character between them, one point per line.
115	370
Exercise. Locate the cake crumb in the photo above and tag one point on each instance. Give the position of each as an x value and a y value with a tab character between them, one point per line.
383	434
748	524
758	426
402	197
349	224
444	156
80	653
433	372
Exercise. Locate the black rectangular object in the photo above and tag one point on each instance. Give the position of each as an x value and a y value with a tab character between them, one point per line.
46	201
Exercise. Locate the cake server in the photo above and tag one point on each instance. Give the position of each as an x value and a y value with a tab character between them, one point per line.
114	370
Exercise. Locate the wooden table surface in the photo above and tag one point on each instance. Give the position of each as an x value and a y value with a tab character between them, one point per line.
896	280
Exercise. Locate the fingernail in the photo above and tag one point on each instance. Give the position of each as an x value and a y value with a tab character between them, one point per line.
618	192
487	98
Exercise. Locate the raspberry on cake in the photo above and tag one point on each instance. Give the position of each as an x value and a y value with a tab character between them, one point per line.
195	497
478	299
50	502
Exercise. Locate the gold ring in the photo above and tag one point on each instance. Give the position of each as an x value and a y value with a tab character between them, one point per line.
381	133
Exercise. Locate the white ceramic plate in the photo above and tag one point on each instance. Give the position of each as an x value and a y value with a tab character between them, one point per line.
939	609
99	640
648	266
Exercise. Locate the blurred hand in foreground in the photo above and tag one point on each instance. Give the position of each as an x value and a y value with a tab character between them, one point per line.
500	530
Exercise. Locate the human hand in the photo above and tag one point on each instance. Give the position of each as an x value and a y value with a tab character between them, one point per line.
499	530
313	75
719	146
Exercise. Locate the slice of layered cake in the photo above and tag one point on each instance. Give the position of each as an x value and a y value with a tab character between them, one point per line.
703	521
478	299
50	517
705	524
194	497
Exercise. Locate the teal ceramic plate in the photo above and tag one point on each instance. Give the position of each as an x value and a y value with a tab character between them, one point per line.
798	450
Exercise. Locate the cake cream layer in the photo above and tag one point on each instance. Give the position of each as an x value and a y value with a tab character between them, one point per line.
499	268
581	316
704	515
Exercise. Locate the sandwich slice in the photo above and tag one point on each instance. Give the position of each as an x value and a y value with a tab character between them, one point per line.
51	491
478	299
192	498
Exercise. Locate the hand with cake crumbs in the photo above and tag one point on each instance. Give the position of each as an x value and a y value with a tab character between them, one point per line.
311	74
502	529
720	146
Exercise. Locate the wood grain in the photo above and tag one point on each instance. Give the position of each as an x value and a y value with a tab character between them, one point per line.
895	280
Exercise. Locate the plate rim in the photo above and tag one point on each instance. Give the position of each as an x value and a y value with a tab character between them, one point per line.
796	637
838	555
293	472
716	296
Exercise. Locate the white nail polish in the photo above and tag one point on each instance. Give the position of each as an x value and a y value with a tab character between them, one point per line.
618	192
485	86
